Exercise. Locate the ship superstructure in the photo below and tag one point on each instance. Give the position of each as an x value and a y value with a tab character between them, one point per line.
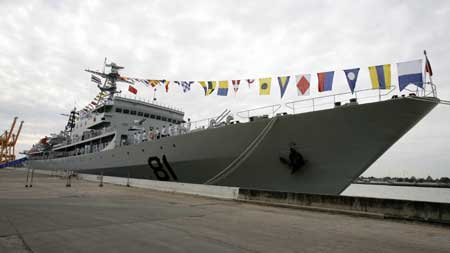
115	121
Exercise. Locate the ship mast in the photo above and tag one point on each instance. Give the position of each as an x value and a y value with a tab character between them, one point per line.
71	121
109	86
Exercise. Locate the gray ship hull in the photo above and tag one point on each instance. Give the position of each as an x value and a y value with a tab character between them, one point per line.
338	145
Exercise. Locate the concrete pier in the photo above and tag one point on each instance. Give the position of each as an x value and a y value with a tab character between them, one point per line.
50	217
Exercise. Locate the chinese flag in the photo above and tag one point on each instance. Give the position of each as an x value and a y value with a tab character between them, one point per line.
132	89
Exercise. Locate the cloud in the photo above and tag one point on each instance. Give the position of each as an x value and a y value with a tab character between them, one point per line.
47	44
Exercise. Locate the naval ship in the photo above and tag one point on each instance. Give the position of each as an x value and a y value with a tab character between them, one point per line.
320	150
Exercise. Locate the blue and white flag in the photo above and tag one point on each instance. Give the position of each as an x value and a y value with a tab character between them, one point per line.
352	76
410	72
186	85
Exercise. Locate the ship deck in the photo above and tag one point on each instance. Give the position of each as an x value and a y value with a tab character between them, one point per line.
86	218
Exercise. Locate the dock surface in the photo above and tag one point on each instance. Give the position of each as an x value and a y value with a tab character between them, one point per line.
50	217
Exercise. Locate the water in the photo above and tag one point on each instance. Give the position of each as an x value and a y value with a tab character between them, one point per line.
399	192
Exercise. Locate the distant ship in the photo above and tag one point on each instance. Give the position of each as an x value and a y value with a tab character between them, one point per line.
320	151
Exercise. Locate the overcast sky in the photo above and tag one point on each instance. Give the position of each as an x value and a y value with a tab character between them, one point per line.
46	45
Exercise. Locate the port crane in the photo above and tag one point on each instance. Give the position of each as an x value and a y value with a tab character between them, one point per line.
8	141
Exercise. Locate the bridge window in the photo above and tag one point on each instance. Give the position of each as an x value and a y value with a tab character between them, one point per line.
164	119
119	110
146	115
158	117
133	113
152	116
140	114
170	120
126	111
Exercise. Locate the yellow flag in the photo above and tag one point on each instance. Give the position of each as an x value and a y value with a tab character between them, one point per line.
223	88
204	86
380	76
208	87
264	86
153	83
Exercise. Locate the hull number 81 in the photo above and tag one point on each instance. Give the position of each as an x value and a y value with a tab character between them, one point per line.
162	171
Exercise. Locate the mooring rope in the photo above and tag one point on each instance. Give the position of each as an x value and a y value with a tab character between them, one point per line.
244	155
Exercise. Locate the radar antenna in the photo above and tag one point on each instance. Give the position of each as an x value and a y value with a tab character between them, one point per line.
109	86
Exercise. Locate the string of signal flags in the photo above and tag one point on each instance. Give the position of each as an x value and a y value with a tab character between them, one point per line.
409	73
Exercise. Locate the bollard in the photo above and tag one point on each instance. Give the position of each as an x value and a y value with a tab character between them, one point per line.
28	173
128	179
101	180
68	179
32	176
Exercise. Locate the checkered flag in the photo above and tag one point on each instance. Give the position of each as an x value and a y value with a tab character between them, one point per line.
186	85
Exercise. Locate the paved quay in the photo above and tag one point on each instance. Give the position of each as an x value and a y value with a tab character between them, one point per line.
86	218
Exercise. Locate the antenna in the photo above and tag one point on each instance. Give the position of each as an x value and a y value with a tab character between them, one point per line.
104	64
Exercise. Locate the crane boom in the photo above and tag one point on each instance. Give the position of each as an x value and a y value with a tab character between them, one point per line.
13	143
8	141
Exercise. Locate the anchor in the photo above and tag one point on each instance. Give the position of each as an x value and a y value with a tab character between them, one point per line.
294	160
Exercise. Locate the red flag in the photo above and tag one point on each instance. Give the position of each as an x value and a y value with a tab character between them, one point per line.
236	84
428	66
166	84
132	89
325	80
303	84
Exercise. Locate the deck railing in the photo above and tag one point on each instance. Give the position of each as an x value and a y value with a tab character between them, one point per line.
150	101
363	95
329	101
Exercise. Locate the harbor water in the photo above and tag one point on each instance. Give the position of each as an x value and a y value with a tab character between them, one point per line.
399	192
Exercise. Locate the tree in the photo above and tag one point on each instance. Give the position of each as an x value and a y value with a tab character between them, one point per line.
445	180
